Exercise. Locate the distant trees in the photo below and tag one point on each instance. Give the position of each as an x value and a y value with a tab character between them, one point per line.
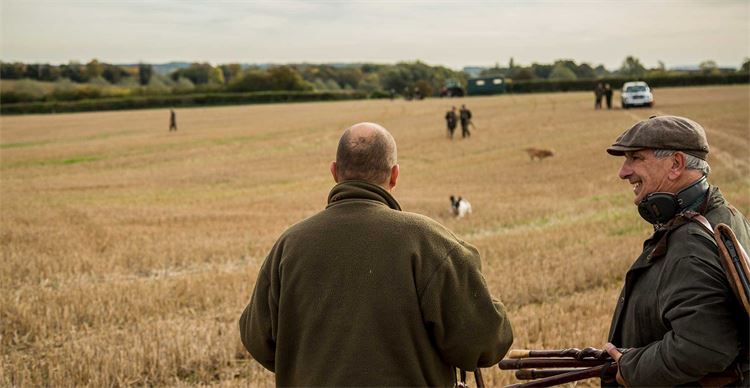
199	74
708	67
76	81
632	67
144	73
114	74
409	75
562	72
276	78
563	69
230	71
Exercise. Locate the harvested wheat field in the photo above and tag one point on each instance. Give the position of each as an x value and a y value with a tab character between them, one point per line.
129	252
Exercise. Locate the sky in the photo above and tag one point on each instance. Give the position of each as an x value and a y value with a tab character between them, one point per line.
448	33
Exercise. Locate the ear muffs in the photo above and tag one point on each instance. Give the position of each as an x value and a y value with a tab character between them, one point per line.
660	208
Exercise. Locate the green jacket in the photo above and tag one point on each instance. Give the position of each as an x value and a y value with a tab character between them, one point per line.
677	311
363	293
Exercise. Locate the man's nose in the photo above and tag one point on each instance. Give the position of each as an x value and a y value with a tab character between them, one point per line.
625	171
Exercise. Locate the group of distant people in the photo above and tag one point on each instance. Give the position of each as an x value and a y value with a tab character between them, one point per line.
409	94
605	91
464	116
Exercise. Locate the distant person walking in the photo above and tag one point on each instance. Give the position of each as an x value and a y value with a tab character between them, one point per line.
608	95
172	121
598	93
465	116
451	120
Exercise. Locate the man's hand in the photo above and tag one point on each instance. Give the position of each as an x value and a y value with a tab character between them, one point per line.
615	354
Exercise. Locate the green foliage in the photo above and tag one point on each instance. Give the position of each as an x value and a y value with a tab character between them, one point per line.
632	67
42	72
157	85
251	81
230	71
74	71
541	71
584	70
15	70
23	90
536	86
276	78
114	74
424	87
94	69
286	78
187	100
199	74
371	83
745	68
369	80
405	76
183	85
145	72
709	67
562	72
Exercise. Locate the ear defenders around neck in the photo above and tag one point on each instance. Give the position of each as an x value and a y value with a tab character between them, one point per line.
660	207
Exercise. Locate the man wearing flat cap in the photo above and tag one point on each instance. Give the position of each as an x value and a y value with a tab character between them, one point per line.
677	318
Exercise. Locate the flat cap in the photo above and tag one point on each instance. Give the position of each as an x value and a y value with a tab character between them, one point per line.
663	133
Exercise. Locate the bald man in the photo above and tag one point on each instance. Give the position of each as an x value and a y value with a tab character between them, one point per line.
364	293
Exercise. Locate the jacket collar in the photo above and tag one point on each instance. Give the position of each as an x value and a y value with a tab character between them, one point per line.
358	190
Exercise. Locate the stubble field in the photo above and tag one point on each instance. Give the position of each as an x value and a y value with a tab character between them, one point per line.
128	252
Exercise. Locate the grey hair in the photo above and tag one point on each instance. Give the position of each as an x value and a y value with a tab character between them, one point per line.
691	162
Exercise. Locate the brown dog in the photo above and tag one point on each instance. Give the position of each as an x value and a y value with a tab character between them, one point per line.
539	153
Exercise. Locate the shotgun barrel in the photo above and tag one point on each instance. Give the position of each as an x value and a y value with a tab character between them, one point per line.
579	354
567	377
529	363
531	374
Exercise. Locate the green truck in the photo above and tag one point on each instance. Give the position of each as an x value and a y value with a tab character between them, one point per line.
486	86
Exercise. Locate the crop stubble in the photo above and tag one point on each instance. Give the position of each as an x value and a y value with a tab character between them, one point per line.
129	252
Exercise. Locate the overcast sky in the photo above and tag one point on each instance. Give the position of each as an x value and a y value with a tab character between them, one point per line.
453	34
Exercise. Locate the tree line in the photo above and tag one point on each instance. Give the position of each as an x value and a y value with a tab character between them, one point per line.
75	81
565	70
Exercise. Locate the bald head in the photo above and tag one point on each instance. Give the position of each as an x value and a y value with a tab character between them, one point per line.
367	152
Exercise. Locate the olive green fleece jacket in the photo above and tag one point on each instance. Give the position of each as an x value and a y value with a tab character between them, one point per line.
676	310
364	294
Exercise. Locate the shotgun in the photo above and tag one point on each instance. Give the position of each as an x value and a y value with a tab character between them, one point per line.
568	365
735	262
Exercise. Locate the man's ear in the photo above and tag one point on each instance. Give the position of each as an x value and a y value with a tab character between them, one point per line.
333	172
394	177
678	165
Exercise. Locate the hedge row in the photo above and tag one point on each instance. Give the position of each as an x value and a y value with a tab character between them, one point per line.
536	86
207	99
188	100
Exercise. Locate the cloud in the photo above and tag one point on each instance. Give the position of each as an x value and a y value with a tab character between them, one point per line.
439	32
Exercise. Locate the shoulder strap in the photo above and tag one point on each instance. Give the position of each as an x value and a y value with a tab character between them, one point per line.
732	256
700	220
